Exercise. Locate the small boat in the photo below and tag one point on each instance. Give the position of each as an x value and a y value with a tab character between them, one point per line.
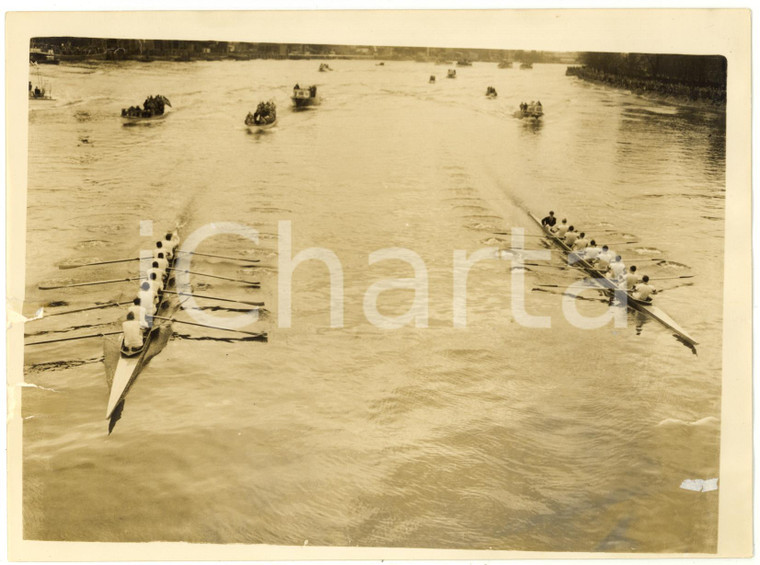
491	92
40	94
611	288
264	117
531	111
451	74
303	97
505	65
154	107
41	91
524	66
41	56
432	79
464	63
380	64
324	67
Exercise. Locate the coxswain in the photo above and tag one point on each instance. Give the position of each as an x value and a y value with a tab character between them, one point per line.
133	337
549	221
617	269
631	278
570	236
139	312
562	228
644	291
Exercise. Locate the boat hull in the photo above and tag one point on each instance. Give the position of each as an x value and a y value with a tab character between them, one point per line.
136	120
529	115
261	127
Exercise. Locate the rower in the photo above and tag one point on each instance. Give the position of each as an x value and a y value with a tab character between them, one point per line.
156	268
644	291
604	259
161	249
617	269
139	313
561	228
591	253
133	337
570	236
159	258
156	285
580	244
171	242
549	221
631	278
147	299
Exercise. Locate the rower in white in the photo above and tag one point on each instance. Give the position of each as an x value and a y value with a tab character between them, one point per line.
147	299
161	249
604	259
580	244
171	242
156	285
631	278
591	253
133	337
562	228
160	258
644	291
570	236
139	313
617	269
159	272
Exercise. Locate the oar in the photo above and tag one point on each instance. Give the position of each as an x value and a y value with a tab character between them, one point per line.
220	256
109	305
53	287
672	278
215	298
252	283
564	267
257	334
72	338
77	265
524	235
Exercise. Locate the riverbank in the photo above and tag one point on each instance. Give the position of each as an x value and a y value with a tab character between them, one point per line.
673	92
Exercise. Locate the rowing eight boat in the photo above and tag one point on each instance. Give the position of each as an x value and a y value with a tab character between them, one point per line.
129	366
612	288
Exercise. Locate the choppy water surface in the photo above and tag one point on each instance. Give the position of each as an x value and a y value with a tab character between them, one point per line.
490	436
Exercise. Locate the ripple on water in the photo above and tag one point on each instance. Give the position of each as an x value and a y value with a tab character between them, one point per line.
91	244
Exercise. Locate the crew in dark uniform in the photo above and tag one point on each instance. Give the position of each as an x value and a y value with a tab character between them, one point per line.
549	220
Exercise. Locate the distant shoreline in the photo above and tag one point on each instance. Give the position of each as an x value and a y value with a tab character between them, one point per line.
671	92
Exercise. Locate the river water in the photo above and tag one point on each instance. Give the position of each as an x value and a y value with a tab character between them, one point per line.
493	435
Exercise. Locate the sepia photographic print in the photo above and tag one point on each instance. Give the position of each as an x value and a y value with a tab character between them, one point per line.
466	284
